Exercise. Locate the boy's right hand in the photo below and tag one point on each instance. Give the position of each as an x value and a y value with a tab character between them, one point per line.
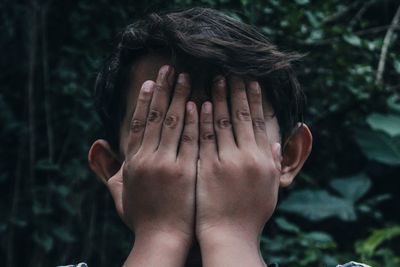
159	171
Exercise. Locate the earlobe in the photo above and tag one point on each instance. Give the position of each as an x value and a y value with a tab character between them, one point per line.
295	152
102	160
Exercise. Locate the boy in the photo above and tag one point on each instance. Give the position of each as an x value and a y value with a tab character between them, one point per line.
201	117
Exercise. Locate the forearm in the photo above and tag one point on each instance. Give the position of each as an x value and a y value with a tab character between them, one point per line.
230	250
160	250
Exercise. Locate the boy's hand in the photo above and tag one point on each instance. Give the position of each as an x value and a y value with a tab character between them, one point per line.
159	171
238	176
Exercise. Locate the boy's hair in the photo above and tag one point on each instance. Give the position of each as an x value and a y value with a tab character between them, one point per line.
204	41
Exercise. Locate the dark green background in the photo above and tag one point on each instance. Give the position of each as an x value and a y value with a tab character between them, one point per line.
343	206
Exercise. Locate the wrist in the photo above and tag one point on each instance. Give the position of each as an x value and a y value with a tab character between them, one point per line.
230	247
158	249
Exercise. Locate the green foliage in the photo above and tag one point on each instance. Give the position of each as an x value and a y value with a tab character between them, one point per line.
379	146
307	248
369	246
54	211
317	205
372	248
388	123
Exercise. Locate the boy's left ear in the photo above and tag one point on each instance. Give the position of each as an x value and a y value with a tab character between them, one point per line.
296	150
103	161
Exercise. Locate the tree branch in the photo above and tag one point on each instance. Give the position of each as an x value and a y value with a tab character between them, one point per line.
47	105
385	46
359	33
361	12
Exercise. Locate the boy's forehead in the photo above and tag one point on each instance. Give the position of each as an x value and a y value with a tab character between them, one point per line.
147	67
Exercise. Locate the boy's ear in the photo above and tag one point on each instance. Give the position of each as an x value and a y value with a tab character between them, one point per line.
102	160
295	152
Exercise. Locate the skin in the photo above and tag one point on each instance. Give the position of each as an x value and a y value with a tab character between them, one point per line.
191	168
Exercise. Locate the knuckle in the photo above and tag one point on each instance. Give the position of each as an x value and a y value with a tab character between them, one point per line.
181	89
219	92
230	164
171	121
137	125
144	97
208	136
170	171
237	83
255	99
258	124
190	120
154	115
179	172
187	138
223	123
243	114
207	120
161	88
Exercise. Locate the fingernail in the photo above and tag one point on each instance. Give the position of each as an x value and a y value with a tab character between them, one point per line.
164	70
182	77
146	87
190	106
220	80
166	73
207	107
254	87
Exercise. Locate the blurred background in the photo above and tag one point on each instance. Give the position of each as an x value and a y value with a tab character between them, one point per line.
343	206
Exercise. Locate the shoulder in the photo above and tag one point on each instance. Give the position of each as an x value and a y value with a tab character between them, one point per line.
349	264
82	264
353	264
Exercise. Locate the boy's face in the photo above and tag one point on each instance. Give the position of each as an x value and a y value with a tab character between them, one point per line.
208	157
147	67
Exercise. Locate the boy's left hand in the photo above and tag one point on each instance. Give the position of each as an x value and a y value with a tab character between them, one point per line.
238	170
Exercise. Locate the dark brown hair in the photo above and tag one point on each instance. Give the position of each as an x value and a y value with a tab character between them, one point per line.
218	43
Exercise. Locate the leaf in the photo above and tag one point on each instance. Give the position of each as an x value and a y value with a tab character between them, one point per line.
319	237
45	165
367	247
38	208
63	234
302	2
44	240
312	19
393	103
379	146
19	222
318	205
396	65
352	187
286	225
389	123
352	39
3	227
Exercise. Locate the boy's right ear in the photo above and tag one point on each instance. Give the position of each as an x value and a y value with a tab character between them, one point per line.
103	161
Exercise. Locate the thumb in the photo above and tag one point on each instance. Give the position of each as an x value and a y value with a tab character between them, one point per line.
277	156
115	186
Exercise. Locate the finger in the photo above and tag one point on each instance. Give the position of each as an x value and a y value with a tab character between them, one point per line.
158	108
173	123
241	117
189	146
222	120
138	120
208	148
254	96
